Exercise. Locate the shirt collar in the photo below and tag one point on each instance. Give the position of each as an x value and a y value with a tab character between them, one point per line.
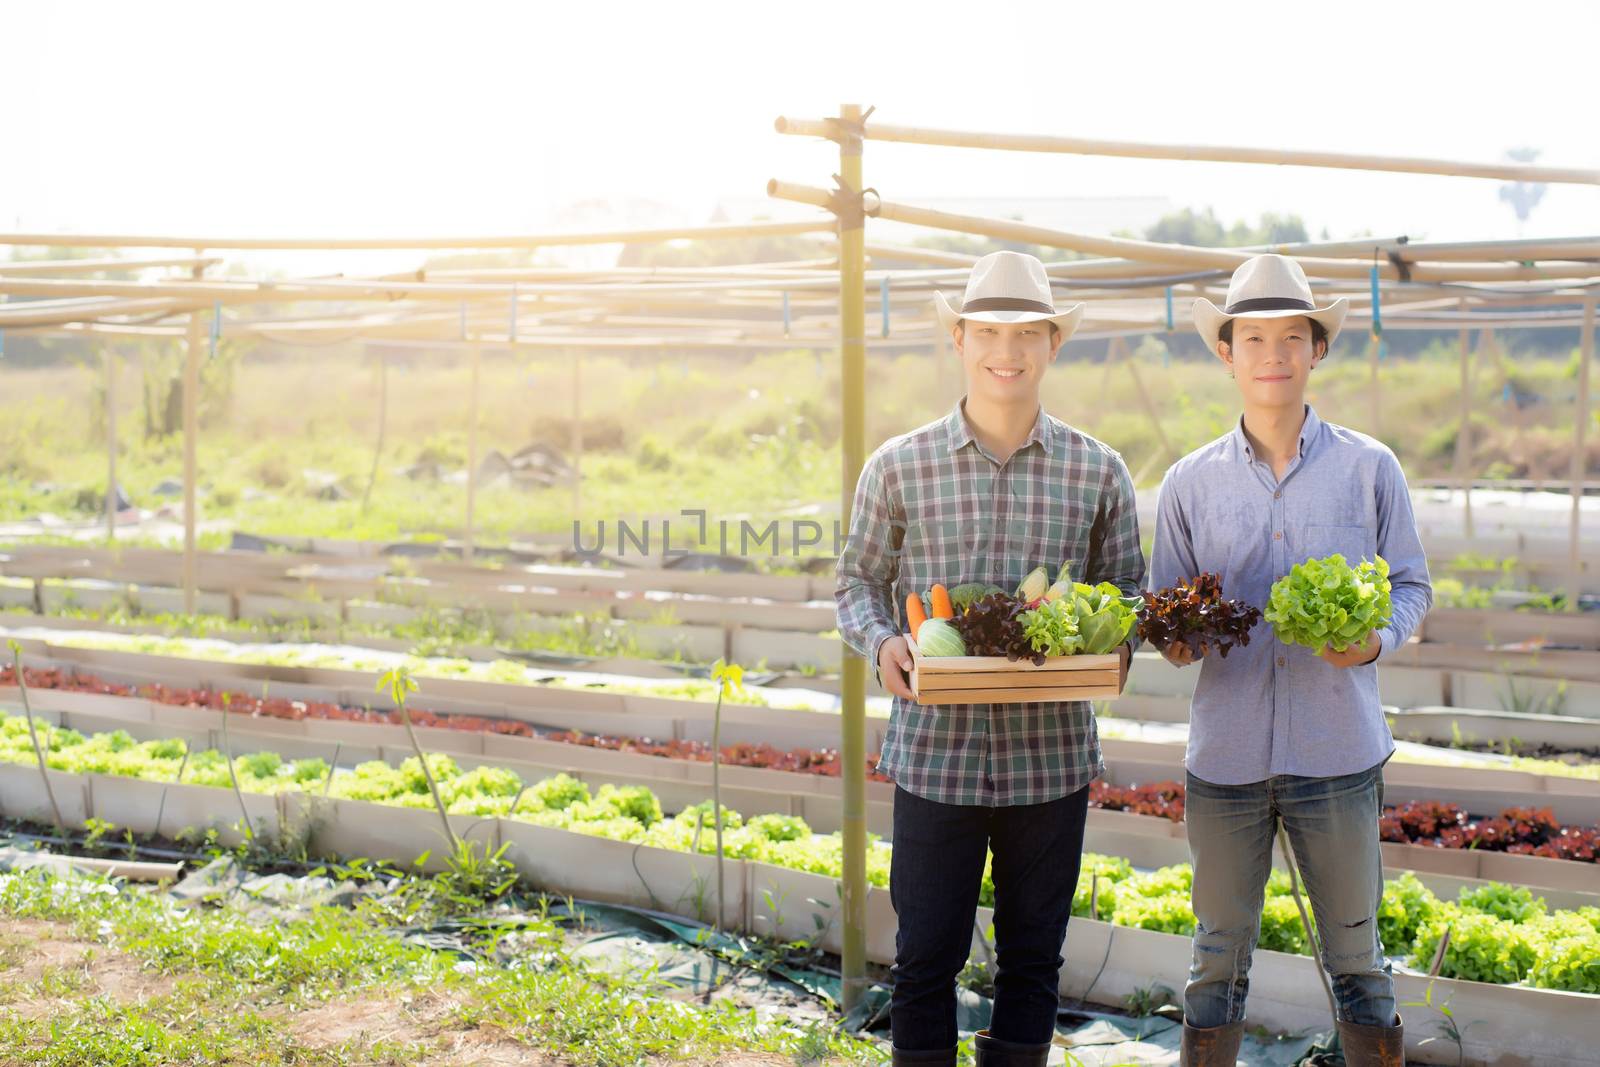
1310	430
959	430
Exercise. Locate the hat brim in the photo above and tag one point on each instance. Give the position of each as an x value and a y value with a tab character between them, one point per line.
1066	321
1208	319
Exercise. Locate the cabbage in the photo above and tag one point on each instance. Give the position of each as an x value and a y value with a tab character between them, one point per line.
937	637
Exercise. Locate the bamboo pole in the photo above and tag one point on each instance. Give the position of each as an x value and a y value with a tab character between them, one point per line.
1464	433
191	431
1173	255
383	423
1145	401
853	680
1580	458
715	231
111	444
29	267
472	451
577	435
1084	146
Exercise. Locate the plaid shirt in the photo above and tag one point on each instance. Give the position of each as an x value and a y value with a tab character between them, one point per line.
932	506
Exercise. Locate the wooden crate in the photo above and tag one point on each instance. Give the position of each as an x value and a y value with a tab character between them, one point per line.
997	680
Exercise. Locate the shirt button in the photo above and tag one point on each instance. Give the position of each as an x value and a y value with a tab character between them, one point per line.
1281	661
1277	535
1278	495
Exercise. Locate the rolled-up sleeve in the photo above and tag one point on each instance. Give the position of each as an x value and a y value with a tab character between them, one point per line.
869	564
1410	590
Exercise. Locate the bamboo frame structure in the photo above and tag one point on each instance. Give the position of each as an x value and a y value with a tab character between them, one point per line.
1083	146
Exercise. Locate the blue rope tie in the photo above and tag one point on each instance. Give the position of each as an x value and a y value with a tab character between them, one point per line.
216	327
1377	306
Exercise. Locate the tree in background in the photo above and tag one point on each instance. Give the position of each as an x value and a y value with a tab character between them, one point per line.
1191	227
1522	196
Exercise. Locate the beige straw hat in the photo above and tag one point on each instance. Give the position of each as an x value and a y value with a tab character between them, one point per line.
1008	287
1267	287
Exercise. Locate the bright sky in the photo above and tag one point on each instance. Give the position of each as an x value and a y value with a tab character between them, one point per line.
354	118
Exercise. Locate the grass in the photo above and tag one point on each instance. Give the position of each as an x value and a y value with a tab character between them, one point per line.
754	439
238	985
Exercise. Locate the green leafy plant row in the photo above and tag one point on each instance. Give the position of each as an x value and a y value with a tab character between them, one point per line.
1498	933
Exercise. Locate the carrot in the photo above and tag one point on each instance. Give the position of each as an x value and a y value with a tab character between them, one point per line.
942	608
916	614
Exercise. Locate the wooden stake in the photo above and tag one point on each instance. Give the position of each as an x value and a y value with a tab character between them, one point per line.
38	749
383	421
577	435
853	681
111	444
472	452
1464	435
1126	356
191	432
1579	457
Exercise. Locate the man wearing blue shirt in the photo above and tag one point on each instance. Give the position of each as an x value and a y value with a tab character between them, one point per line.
1279	731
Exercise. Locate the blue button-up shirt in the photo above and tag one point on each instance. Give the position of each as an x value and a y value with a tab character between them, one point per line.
1271	708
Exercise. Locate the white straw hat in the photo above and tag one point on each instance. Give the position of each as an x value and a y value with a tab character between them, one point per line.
1267	287
1008	287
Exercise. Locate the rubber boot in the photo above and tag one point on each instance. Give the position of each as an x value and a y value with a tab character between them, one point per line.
1373	1046
1211	1046
992	1052
939	1057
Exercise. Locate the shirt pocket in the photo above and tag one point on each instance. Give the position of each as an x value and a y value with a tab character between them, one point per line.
1354	543
1047	526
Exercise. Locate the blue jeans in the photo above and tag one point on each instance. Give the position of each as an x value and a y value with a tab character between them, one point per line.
1332	825
935	873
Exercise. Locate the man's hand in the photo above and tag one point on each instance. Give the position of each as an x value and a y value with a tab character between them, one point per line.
1179	654
1355	655
894	667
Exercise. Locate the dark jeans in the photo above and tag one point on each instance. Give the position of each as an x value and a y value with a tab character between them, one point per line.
936	870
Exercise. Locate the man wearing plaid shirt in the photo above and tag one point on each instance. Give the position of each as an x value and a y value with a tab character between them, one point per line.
985	494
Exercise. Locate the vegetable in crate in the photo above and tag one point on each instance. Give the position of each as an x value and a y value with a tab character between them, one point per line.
1052	629
966	594
916	614
1034	585
939	597
1105	616
990	627
940	638
1328	603
1194	612
1085	619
